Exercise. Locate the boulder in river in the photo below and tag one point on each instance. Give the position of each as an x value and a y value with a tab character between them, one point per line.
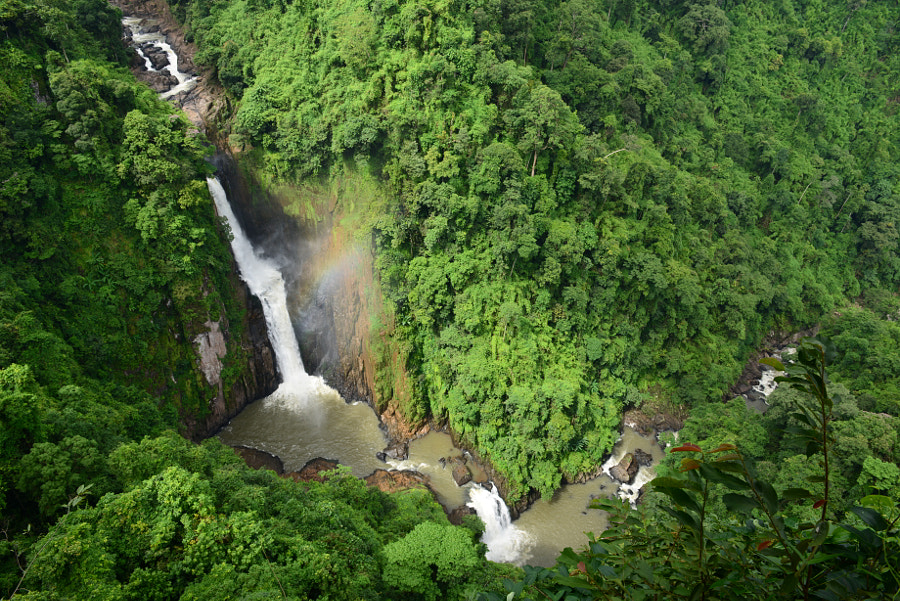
625	470
160	81
398	451
156	55
461	474
643	458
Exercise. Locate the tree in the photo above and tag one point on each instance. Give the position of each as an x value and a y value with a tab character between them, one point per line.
540	120
430	561
707	28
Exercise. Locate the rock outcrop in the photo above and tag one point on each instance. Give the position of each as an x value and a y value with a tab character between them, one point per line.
643	458
650	424
461	474
626	469
260	459
393	481
397	451
313	470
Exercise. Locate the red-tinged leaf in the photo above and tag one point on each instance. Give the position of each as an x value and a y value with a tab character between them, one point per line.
582	568
689	464
724	447
818	503
687	447
764	545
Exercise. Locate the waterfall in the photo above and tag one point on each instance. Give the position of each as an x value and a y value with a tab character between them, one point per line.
267	284
505	542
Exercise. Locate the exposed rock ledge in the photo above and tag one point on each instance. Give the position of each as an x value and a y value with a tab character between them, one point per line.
388	481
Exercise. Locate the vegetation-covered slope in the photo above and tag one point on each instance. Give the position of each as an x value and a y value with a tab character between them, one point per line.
724	526
589	204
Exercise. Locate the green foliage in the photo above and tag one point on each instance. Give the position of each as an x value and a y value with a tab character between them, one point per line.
756	551
866	343
203	525
429	561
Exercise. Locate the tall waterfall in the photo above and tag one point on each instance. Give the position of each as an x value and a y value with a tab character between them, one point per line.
267	284
505	542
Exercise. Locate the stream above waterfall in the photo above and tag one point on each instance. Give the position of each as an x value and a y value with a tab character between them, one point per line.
141	38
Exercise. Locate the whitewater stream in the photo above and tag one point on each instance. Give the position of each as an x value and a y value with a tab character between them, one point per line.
140	36
305	418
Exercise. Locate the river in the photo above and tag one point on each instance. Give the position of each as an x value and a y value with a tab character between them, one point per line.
305	418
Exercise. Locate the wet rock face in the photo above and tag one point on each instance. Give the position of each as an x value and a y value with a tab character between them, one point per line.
398	451
626	469
461	475
156	56
643	458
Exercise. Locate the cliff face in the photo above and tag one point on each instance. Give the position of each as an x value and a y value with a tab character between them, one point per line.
245	346
334	323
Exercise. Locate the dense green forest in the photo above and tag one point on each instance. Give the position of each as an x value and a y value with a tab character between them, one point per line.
586	206
582	207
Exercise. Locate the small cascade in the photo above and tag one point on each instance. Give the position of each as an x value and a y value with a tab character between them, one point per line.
505	542
758	397
628	441
185	81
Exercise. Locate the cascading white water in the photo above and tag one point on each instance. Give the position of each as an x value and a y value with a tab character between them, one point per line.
630	492
267	284
185	81
505	542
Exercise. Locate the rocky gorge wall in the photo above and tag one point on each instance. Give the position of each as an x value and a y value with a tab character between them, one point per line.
245	348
